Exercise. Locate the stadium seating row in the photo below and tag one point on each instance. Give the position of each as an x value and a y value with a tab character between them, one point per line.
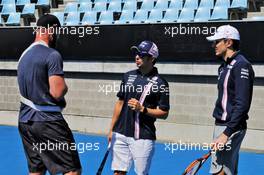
202	14
23	2
129	11
12	10
117	6
149	11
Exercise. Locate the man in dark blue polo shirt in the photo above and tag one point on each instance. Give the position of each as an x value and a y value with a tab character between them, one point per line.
143	97
235	87
45	134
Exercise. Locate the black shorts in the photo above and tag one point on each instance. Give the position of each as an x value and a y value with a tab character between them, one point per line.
49	146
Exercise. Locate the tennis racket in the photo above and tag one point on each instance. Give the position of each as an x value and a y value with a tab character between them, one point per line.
194	167
100	169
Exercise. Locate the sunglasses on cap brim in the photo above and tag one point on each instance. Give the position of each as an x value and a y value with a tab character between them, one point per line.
142	55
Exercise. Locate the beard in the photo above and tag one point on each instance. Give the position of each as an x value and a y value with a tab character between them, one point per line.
53	41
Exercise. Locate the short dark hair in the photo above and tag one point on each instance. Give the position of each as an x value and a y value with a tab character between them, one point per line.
151	57
154	61
236	45
48	20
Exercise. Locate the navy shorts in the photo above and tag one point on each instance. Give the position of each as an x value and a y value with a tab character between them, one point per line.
49	146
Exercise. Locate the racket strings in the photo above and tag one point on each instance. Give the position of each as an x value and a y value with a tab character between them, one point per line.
193	168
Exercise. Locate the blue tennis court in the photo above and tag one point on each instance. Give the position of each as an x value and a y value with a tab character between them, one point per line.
92	149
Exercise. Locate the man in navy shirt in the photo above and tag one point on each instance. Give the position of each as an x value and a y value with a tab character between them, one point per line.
45	134
143	97
235	87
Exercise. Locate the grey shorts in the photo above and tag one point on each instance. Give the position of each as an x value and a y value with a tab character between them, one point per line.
227	159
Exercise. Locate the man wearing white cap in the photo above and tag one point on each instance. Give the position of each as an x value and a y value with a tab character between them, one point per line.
143	97
235	87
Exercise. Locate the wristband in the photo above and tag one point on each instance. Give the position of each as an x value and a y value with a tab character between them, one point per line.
145	110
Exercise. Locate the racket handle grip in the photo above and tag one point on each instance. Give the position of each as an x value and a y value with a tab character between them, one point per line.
109	145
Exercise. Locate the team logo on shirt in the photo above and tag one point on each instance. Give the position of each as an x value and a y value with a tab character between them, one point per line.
221	70
244	73
153	80
229	66
131	79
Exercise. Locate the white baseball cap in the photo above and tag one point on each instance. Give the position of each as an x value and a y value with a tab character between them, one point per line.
225	32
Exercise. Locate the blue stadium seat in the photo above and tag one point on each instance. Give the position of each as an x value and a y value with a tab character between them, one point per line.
186	15
154	16
203	14
140	16
29	9
60	16
8	2
241	4
126	16
176	4
96	1
84	7
82	1
114	6
8	8
99	7
72	19
222	3
120	1
89	18
147	5
171	15
130	5
207	4
191	4
219	13
22	2
13	19
43	3
162	4
106	17
71	7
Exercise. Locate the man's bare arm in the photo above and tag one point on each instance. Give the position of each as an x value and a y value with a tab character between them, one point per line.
58	87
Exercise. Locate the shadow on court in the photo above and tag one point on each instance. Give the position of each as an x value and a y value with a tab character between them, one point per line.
92	148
